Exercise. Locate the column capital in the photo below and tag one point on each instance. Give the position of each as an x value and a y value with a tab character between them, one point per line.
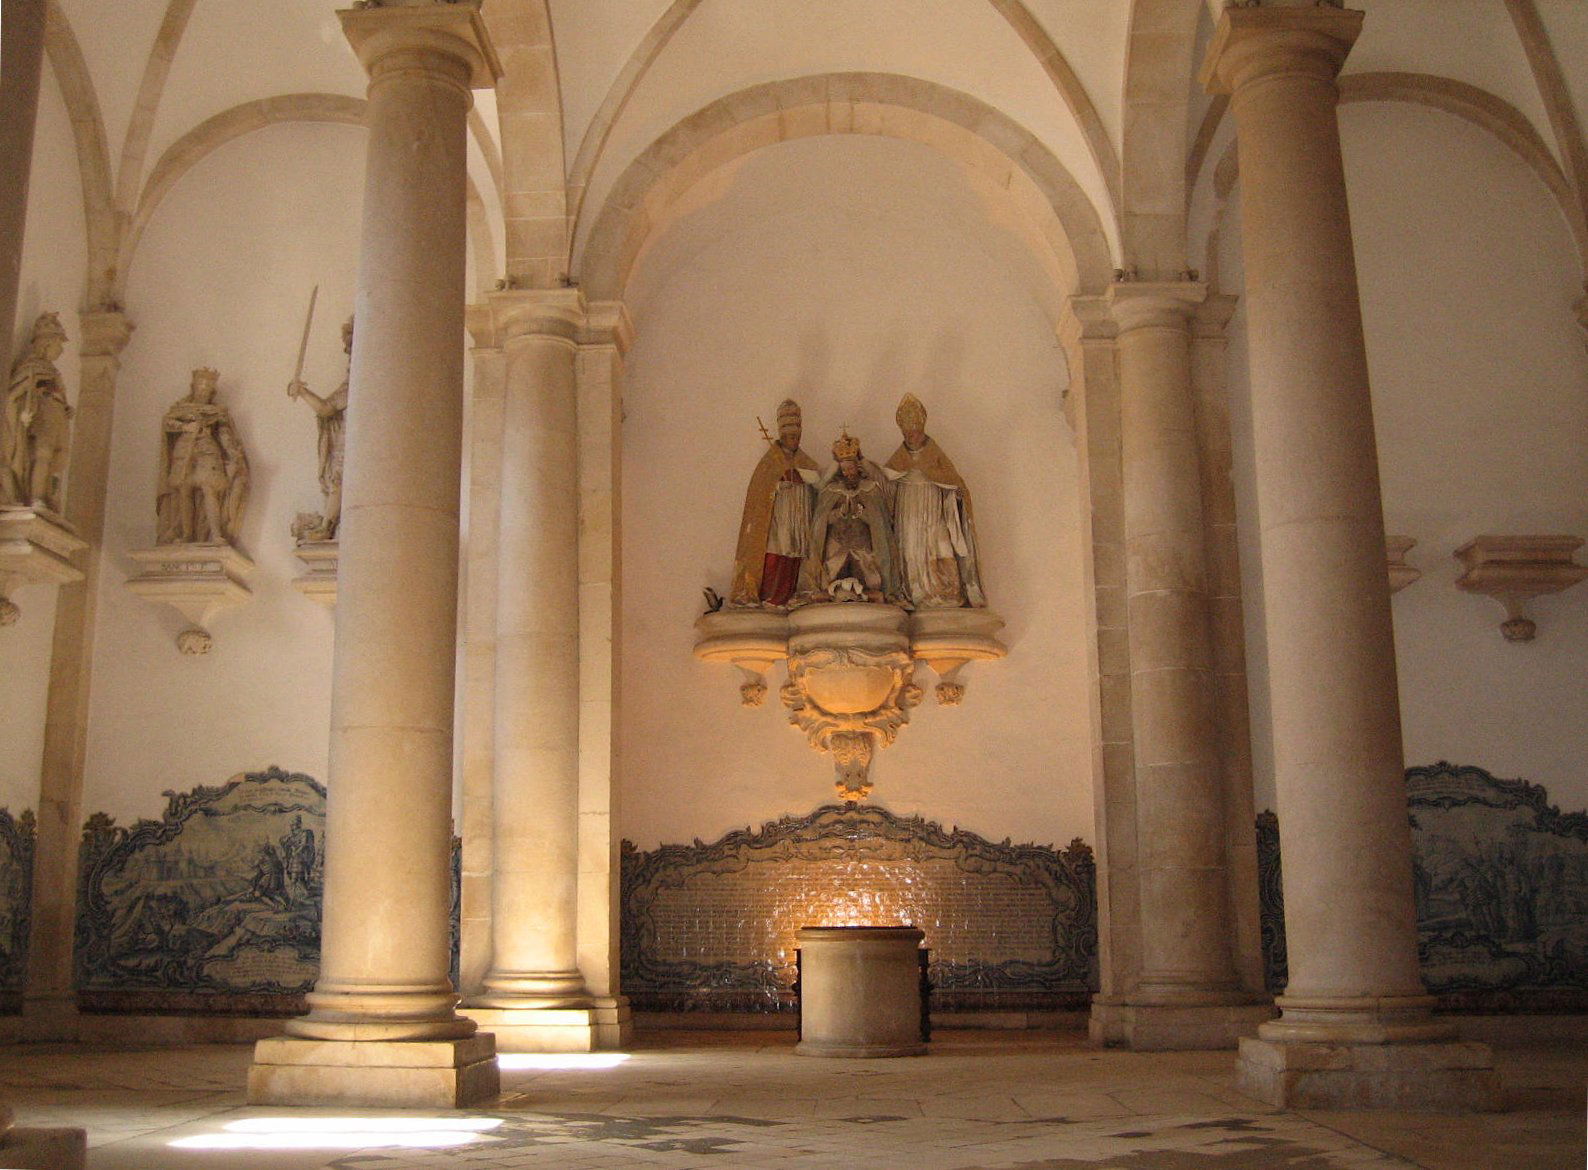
511	313
1137	304
105	332
1086	319
609	323
1250	43
376	28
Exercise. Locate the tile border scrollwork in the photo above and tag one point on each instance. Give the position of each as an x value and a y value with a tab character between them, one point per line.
758	984
1500	877
18	840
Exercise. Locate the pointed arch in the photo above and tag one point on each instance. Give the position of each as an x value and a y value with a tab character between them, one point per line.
93	155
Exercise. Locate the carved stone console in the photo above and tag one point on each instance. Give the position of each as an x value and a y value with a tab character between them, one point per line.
1513	569
196	580
851	669
36	548
1400	573
318	582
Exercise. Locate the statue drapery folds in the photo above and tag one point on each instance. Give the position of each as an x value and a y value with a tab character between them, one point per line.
204	474
35	428
933	519
774	534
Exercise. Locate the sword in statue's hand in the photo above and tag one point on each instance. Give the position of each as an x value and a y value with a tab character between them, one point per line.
295	387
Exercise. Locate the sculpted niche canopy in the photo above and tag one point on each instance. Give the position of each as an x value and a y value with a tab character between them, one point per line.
851	576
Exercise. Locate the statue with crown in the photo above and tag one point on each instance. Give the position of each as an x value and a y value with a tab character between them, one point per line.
203	480
850	577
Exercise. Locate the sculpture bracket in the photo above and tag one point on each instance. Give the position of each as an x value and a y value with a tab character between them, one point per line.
320	561
196	580
851	669
36	548
1514	569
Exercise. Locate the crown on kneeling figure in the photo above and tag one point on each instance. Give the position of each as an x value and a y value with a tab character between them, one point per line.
847	447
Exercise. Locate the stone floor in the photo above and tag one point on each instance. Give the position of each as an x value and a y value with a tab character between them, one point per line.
1026	1101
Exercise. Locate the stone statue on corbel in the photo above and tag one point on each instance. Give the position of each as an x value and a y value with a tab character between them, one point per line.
887	576
196	567
36	544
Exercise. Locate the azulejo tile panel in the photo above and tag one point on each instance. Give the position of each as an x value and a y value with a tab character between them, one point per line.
1501	880
214	907
18	835
711	927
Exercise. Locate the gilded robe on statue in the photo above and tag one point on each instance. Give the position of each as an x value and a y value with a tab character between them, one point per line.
774	534
933	522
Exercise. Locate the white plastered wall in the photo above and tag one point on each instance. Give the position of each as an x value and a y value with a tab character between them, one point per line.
1480	387
845	272
54	261
222	278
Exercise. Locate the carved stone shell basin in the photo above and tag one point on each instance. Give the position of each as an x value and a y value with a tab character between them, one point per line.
826	637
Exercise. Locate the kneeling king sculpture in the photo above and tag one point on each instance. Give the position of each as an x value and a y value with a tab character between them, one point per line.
852	576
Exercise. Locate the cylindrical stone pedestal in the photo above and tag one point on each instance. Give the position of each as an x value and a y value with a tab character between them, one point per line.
860	991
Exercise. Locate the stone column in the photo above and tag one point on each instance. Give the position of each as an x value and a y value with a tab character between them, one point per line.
478	718
49	1007
381	1028
1187	994
535	995
1356	1028
21	63
1210	389
605	340
533	991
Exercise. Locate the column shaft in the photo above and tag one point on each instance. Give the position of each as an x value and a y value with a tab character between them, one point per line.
385	936
1350	924
1185	920
536	738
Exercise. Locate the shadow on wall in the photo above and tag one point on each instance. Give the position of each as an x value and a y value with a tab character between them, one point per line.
711	927
213	909
1501	881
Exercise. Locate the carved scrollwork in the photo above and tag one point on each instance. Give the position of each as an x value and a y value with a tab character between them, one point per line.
849	701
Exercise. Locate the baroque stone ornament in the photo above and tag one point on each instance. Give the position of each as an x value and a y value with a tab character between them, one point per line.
849	671
851	577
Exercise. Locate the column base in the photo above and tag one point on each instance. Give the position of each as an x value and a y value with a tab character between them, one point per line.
412	1074
1168	1027
1453	1077
604	1025
44	1149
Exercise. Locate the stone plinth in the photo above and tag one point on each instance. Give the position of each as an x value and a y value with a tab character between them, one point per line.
318	582
426	1074
196	580
36	548
44	1149
602	1027
860	991
1451	1077
947	639
1167	1027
